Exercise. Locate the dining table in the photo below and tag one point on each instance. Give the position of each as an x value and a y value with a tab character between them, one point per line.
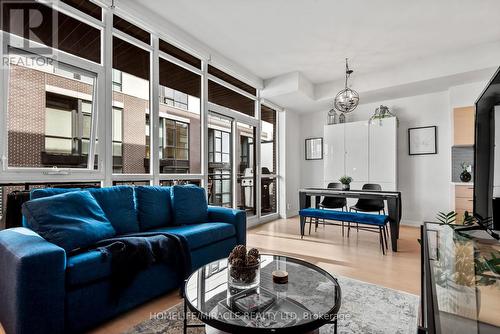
392	199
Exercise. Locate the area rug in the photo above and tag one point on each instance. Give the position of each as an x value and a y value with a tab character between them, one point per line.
366	308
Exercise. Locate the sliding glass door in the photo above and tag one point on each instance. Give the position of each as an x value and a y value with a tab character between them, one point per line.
245	168
269	184
220	160
231	161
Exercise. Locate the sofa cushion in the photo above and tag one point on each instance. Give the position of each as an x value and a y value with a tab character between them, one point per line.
71	220
189	204
119	206
47	192
200	235
87	267
153	206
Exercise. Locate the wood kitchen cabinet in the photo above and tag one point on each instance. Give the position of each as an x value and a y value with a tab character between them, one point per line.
463	124
463	201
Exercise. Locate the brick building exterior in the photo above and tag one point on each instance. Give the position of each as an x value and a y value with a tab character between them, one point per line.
26	120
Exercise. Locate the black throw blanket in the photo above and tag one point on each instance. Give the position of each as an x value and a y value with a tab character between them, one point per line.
132	253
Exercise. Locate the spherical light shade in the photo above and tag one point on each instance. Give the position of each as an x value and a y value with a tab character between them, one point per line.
346	100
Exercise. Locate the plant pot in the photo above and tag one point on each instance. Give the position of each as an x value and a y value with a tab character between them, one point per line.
243	277
346	186
465	176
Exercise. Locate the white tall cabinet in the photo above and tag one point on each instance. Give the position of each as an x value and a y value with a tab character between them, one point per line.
365	151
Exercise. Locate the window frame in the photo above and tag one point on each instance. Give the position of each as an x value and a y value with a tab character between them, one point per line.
77	123
42	173
203	124
103	105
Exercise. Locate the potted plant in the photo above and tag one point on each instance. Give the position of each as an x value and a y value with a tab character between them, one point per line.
346	182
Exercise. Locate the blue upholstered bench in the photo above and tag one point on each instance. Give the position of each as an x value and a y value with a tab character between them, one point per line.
370	222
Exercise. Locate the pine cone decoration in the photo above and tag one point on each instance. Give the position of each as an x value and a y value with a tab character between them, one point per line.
243	266
240	251
254	252
252	260
238	263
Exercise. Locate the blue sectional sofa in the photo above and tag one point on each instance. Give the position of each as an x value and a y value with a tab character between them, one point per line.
43	289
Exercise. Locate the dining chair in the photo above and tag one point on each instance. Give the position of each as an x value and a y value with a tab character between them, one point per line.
368	205
329	202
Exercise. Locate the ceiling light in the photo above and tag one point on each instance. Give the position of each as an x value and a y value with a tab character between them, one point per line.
347	99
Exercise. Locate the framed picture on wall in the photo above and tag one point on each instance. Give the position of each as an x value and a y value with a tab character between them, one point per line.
422	140
314	148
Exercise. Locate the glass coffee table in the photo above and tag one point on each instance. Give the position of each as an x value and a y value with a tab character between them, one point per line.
309	300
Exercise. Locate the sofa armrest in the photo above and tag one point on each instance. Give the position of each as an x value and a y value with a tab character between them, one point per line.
32	283
231	216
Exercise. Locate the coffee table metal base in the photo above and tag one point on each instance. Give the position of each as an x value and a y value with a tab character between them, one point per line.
211	330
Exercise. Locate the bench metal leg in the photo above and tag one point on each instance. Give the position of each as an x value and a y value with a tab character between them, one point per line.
385	236
310	223
381	238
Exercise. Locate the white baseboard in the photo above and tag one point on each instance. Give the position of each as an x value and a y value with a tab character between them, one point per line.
414	223
292	213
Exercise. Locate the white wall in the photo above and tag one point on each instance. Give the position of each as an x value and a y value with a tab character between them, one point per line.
311	171
425	181
290	154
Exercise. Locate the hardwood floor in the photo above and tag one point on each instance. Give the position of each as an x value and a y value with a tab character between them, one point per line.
358	257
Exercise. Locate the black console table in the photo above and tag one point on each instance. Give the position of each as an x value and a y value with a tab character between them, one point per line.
460	280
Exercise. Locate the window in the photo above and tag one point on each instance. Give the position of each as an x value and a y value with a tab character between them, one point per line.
228	98
131	66
174	98
68	124
169	183
179	54
180	119
219	147
52	106
268	160
117	140
49	113
232	80
58	131
117	80
132	183
174	146
131	29
70	35
245	164
87	7
220	161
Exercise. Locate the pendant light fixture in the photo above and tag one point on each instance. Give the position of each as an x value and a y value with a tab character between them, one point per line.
347	99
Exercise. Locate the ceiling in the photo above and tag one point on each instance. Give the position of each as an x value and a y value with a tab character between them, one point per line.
274	37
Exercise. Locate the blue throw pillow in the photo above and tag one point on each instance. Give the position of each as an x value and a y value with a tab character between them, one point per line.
119	206
46	192
189	205
72	220
153	206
